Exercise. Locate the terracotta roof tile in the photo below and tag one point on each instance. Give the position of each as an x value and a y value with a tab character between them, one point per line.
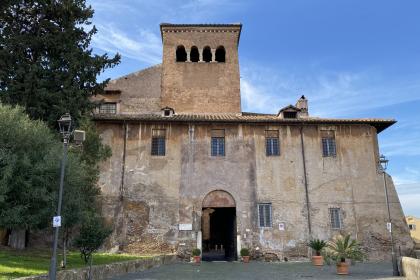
380	124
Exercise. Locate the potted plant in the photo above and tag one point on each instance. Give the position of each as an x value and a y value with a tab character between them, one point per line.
317	245
342	248
196	253
245	255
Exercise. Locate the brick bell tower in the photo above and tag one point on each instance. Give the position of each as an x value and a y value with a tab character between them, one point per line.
200	71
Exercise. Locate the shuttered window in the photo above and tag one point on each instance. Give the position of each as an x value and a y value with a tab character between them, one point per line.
264	214
218	142
158	142
272	146
328	143
335	218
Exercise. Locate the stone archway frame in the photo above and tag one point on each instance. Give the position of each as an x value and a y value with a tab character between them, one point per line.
218	198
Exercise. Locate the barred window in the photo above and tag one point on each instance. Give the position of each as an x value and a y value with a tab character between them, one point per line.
108	108
272	147
328	147
335	218
264	214
158	142
218	142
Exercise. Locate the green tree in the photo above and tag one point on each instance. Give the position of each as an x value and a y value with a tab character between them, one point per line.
30	157
28	166
92	235
46	63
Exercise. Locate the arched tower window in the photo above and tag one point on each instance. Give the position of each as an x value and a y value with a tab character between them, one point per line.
207	54
181	54
220	54
194	55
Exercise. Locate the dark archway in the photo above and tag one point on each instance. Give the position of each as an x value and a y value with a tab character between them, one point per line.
218	226
181	54
220	54
194	55
207	56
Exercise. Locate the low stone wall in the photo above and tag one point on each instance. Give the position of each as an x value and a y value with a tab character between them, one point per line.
410	268
100	272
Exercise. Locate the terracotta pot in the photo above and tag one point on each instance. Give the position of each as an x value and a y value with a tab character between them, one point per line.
197	259
245	259
342	268
318	260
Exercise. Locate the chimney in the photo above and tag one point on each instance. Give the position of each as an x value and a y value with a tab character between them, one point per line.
302	104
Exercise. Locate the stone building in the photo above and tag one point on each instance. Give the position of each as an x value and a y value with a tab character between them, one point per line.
190	169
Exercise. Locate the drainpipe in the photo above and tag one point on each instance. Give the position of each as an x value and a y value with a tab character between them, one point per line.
125	126
306	183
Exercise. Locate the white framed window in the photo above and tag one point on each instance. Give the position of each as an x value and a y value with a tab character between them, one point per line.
108	108
335	218
264	215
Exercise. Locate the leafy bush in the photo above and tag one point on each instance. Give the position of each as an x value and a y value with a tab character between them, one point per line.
244	252
196	252
92	235
317	245
342	248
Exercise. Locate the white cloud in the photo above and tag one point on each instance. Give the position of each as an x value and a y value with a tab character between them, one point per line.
330	94
142	45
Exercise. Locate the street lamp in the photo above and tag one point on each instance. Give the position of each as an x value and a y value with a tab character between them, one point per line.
65	125
383	164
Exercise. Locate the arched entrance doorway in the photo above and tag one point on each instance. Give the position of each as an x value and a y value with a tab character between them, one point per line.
218	226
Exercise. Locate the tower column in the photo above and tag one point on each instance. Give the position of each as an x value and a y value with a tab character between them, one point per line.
188	55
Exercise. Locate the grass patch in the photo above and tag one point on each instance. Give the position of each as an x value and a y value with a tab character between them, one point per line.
14	264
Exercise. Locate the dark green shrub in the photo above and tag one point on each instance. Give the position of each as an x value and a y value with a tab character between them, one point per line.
196	252
244	252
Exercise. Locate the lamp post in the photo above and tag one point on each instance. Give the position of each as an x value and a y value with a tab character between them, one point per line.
383	164
64	124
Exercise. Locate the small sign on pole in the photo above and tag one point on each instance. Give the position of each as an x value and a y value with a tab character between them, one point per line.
389	227
57	221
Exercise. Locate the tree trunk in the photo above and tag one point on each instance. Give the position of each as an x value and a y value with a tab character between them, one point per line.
90	267
64	263
3	237
17	239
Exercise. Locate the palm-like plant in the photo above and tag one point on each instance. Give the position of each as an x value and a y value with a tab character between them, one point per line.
343	247
317	245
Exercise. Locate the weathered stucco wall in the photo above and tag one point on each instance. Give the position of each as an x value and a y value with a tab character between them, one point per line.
146	197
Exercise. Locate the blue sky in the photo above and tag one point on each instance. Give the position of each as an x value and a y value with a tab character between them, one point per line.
350	58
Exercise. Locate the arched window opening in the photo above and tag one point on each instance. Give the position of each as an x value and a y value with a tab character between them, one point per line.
220	54
194	55
207	54
181	54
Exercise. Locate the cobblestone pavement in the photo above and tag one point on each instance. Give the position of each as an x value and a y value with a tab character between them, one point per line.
260	271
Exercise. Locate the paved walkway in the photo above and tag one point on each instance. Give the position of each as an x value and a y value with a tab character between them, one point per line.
260	271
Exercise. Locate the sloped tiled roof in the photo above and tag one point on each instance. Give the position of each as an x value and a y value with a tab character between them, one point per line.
379	124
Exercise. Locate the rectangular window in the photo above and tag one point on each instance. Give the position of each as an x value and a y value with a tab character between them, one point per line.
158	142
218	142
412	227
290	115
272	147
335	218
264	214
108	108
328	143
